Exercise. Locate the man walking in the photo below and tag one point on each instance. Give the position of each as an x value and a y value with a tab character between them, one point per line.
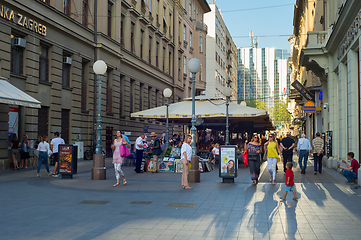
54	144
317	144
287	145
303	150
156	151
139	146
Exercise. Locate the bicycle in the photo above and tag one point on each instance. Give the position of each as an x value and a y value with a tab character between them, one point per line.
88	154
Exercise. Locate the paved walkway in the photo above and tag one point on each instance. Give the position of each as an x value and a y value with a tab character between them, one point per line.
154	206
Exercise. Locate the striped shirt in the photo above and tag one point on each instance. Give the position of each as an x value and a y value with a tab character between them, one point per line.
317	144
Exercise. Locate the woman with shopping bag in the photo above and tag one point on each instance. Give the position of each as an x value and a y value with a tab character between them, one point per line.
118	157
254	150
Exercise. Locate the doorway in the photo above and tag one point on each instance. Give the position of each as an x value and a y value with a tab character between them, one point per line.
109	142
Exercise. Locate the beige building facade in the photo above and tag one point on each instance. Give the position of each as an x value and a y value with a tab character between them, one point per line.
48	48
330	48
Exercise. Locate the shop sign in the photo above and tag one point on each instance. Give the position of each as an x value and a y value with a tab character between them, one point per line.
22	20
350	36
303	90
309	107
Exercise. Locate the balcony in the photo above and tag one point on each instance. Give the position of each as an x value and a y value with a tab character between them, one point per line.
134	3
316	39
201	26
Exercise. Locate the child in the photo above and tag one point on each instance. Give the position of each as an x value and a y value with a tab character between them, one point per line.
290	185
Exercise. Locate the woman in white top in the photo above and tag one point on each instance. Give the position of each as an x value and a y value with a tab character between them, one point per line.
186	154
44	150
117	159
215	152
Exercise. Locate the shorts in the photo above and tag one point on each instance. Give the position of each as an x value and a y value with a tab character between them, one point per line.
289	188
14	151
24	155
36	152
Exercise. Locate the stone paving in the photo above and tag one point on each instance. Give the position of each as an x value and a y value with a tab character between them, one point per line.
154	206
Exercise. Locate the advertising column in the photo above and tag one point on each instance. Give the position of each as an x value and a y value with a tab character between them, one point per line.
228	168
68	160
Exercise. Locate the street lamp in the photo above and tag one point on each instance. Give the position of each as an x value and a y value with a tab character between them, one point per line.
194	65
227	92
99	68
167	93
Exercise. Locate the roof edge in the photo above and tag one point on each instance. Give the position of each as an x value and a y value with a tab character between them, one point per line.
205	6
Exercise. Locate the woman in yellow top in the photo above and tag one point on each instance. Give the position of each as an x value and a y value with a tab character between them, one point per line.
273	153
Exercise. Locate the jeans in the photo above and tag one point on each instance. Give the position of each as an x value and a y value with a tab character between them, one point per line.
318	161
43	156
272	162
351	176
303	154
286	158
138	162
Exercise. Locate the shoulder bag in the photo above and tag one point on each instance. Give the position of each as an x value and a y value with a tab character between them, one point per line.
124	152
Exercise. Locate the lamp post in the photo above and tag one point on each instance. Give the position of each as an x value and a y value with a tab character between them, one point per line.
227	92
99	68
194	65
167	93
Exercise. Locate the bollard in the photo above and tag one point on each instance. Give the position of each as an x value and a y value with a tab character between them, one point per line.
194	174
99	169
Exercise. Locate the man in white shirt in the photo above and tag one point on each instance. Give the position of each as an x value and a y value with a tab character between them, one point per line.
55	142
139	146
303	150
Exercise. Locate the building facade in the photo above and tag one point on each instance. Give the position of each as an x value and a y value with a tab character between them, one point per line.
49	47
263	74
326	42
221	69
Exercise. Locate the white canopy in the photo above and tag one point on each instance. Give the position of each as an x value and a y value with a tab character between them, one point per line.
205	107
10	94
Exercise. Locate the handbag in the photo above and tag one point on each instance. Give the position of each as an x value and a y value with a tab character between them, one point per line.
265	155
245	158
124	152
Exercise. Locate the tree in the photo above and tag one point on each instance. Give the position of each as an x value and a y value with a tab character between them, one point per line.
279	113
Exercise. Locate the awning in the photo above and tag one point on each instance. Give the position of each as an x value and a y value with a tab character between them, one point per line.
10	94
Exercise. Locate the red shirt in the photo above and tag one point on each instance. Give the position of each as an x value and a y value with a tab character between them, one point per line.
355	166
289	174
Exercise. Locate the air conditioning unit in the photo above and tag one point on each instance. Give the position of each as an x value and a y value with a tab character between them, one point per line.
20	42
67	60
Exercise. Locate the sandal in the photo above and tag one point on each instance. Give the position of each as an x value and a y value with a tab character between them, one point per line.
295	198
124	181
273	183
283	199
254	182
187	187
116	185
270	180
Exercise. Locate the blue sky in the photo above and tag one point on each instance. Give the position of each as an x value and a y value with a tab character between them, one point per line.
263	17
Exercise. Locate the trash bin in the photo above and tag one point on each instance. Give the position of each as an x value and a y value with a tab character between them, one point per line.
228	167
68	160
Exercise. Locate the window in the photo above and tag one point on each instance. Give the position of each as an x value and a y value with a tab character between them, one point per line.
170	24
150	6
43	121
149	96
66	72
85	13
184	32
17	57
157	11
109	91
185	65
163	59
190	39
141	93
150	50
200	74
84	77
122	30
121	87
65	114
132	37
141	43
170	64
180	30
190	10
67	9
156	97
131	95
110	6
156	54
179	69
200	45
43	64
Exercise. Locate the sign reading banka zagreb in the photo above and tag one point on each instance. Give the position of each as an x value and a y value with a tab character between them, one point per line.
22	20
303	91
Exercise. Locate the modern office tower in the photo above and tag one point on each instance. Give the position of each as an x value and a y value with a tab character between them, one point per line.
263	74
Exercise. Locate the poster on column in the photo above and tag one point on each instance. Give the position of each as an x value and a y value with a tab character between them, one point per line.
13	120
229	164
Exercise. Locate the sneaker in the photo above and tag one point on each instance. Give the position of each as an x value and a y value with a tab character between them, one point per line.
56	175
315	173
349	182
38	175
295	199
282	199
